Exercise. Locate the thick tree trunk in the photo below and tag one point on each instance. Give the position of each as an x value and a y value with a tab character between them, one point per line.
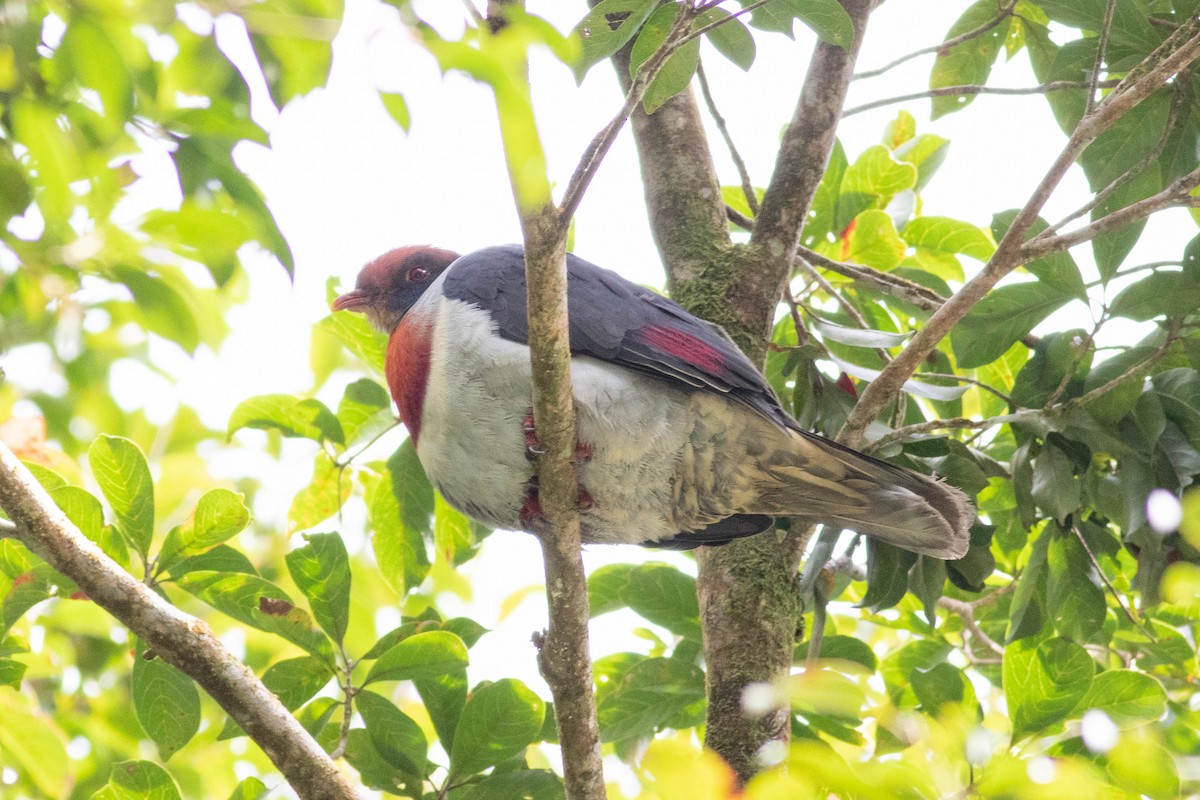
749	604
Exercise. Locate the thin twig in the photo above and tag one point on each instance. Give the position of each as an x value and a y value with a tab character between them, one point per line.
966	612
1177	194
1009	254
893	285
738	218
1027	415
1076	360
703	29
719	121
1004	13
1101	48
846	306
1139	268
965	379
589	162
7	528
1177	100
1112	589
972	89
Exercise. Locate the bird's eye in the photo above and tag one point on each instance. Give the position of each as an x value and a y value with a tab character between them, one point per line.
417	274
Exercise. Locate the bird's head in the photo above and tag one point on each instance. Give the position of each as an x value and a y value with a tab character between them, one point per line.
388	286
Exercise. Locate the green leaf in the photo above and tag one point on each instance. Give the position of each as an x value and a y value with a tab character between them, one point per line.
942	683
1121	399
731	38
1170	294
873	241
292	416
526	784
365	410
250	789
1126	696
219	515
1043	682
605	587
887	575
500	720
396	737
292	40
646	694
1002	318
665	596
1075	598
400	512
445	697
778	16
606	29
321	570
398	108
121	470
1144	768
1056	488
323	497
138	780
374	772
221	558
355	333
841	648
452	535
294	681
425	655
969	62
33	745
1057	270
83	509
1111	248
260	604
827	19
166	701
1127	141
926	153
945	235
870	183
11	673
676	72
161	307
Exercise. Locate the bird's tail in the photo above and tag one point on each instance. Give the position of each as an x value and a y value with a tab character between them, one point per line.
824	481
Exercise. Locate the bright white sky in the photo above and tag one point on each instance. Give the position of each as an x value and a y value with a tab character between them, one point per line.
345	184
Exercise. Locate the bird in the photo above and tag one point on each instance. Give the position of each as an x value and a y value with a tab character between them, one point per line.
682	442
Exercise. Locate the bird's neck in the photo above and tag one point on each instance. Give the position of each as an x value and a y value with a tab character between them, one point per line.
408	358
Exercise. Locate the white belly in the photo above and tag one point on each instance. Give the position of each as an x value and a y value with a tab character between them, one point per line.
472	443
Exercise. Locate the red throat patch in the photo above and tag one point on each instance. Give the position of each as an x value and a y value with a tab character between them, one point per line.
407	368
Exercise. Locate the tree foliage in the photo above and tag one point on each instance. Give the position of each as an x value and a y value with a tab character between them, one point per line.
1058	655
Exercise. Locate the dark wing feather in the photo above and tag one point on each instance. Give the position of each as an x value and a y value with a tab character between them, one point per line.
615	320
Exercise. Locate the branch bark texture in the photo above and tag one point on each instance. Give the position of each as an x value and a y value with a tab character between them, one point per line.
180	639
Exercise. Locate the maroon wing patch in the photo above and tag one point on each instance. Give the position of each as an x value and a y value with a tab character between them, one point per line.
685	347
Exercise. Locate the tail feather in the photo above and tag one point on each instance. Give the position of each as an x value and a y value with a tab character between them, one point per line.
840	486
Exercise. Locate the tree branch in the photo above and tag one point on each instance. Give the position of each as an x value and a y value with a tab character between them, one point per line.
738	162
180	639
1178	194
975	89
893	285
1008	252
1101	49
1004	13
603	141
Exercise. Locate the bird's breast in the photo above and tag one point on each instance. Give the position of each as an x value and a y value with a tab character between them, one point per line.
409	355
